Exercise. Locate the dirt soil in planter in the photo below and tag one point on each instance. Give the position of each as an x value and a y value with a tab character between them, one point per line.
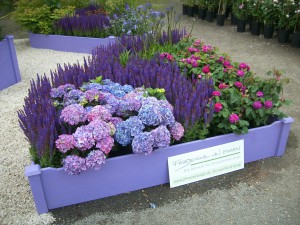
265	192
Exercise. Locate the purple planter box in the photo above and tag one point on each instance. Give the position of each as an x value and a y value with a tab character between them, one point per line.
68	43
9	69
54	188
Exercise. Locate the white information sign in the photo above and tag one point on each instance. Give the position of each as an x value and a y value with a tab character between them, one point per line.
202	164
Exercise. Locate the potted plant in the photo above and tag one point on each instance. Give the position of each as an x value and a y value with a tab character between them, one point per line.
239	9
296	26
190	7
285	23
202	8
270	10
9	69
184	7
211	7
221	12
256	12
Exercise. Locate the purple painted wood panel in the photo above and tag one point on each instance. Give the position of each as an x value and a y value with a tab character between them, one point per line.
133	172
68	43
9	69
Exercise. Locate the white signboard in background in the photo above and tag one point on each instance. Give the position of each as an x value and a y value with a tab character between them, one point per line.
206	163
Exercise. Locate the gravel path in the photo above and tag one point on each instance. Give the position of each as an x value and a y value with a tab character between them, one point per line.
265	192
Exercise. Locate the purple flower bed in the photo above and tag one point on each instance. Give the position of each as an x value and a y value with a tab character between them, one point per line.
42	125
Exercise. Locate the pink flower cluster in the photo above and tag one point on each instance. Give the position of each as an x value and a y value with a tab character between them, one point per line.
191	60
193	50
234	118
218	107
207	48
65	143
74	114
177	131
166	55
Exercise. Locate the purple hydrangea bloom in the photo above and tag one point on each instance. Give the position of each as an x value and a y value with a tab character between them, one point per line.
116	120
84	139
142	143
167	116
177	131
162	137
93	95
166	104
65	142
113	103
135	125
130	102
74	165
99	112
61	90
257	105
91	86
105	144
98	129
95	159
73	97
73	114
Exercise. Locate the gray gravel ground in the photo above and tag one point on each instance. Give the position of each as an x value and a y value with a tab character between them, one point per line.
265	192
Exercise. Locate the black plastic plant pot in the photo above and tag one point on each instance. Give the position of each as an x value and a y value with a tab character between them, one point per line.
202	13
283	36
190	11
241	25
196	9
296	40
233	19
249	21
184	9
210	16
220	20
255	28
268	31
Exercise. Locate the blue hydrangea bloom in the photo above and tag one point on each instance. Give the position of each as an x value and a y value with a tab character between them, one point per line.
123	135
142	143
167	116
127	88
150	115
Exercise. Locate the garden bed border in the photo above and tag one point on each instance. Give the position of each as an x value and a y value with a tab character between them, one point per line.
54	188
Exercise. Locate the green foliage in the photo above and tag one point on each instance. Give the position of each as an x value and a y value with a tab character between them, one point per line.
38	16
196	132
158	93
97	80
1	33
240	9
124	57
112	6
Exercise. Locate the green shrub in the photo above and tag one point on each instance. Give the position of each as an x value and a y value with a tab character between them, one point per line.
38	17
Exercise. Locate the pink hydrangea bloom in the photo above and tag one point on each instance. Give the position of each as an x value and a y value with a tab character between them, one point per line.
95	159
177	131
99	112
73	114
98	129
93	95
218	107
105	144
257	105
74	165
233	118
206	69
65	143
240	73
268	104
84	139
216	93
259	94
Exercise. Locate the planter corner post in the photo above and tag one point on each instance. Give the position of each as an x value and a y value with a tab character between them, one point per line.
33	173
286	125
13	55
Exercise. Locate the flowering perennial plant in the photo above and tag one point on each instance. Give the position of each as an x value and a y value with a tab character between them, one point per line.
240	100
93	128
